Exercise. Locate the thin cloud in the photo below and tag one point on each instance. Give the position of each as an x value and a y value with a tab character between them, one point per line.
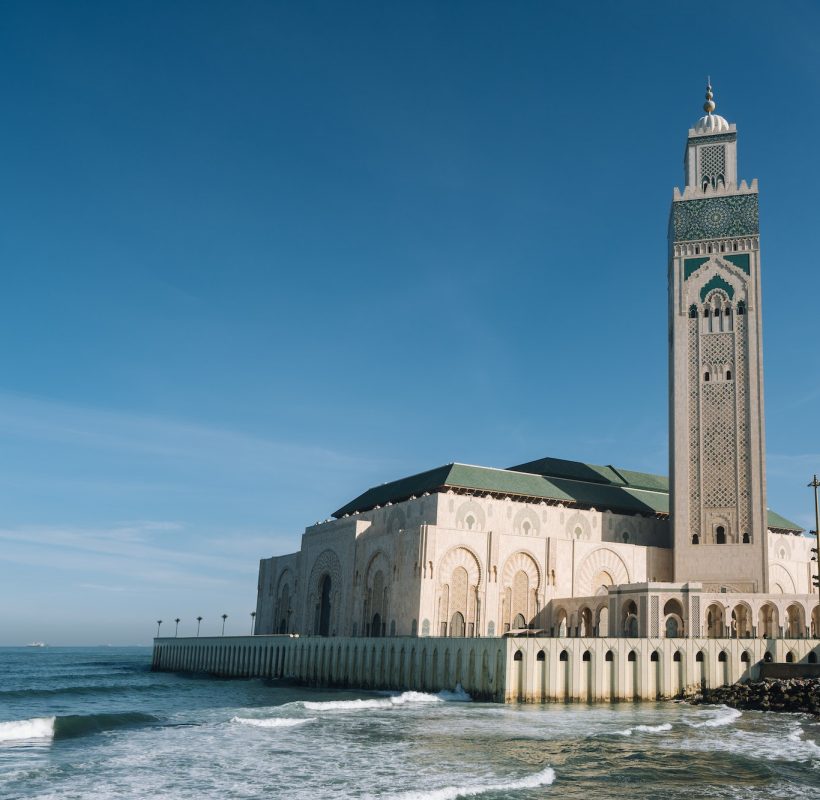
29	418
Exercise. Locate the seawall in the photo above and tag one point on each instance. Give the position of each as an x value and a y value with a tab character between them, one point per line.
490	669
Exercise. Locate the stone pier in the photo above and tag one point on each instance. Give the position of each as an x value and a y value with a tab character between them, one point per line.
491	669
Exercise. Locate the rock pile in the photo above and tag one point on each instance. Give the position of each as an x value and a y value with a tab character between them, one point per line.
801	695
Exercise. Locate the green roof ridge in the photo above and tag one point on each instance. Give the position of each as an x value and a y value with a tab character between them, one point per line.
603	487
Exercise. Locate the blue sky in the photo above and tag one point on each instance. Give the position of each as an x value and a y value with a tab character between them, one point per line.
259	256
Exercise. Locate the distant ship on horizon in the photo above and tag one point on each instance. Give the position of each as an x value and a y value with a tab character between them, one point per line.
36	644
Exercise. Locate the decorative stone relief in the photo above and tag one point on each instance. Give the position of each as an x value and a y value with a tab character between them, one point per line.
470	516
733	215
578	527
600	560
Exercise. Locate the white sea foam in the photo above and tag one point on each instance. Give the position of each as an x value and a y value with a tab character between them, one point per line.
666	726
458	695
405	698
272	722
20	730
809	746
726	717
543	778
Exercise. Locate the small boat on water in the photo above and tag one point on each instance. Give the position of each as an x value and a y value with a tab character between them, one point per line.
36	644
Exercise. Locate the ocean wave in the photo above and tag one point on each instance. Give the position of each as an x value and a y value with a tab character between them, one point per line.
666	726
80	690
370	703
70	726
809	746
272	722
728	716
543	778
27	729
458	695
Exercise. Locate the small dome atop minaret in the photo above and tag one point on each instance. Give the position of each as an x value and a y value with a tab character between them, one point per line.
711	123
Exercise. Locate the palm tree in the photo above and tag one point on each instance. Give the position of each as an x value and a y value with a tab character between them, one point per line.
176	630
159	622
198	623
253	619
224	617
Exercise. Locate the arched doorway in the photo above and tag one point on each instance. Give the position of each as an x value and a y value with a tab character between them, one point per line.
324	606
457	625
768	622
714	621
519	622
794	621
630	618
376	625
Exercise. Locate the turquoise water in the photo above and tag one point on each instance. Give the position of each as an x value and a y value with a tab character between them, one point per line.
96	723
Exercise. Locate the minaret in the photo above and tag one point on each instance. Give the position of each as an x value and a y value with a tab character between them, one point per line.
716	447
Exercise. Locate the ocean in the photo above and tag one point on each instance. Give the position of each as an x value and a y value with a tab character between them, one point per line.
97	723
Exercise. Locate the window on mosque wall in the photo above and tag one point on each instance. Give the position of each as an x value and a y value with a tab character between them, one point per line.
720	535
425	627
469	522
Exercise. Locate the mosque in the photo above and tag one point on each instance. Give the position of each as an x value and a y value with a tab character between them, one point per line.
562	548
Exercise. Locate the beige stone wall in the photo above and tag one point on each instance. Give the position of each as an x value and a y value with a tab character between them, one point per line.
480	564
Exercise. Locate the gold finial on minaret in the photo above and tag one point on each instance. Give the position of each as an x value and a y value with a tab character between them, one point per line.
709	106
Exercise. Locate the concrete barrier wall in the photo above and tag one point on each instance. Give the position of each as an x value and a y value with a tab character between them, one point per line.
593	670
423	664
790	670
497	669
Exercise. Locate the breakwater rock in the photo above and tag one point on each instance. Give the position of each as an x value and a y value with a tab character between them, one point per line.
797	695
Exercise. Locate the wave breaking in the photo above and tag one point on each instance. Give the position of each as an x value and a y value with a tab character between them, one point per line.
666	726
729	716
70	726
272	722
405	698
543	778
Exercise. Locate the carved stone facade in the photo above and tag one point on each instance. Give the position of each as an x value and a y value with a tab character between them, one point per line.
717	446
459	565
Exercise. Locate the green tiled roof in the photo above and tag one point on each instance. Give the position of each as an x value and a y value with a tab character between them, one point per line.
605	488
780	523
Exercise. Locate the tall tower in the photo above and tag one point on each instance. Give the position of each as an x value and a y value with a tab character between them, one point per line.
716	447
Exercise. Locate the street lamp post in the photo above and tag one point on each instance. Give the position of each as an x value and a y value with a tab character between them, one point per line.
816	549
159	622
253	619
198	623
224	617
176	630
